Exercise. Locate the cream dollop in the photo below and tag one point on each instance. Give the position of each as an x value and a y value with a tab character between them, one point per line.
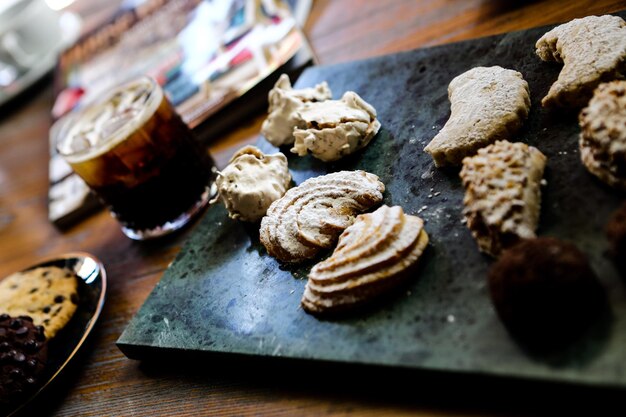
335	128
251	182
284	102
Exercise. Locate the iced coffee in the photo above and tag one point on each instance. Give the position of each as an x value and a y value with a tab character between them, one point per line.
140	158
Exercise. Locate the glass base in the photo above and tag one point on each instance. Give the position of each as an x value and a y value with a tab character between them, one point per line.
177	223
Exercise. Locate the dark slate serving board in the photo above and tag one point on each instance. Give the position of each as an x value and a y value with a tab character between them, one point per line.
223	293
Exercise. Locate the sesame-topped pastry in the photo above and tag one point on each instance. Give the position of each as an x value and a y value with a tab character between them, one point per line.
603	136
592	49
502	194
374	255
284	102
251	182
311	216
335	128
487	104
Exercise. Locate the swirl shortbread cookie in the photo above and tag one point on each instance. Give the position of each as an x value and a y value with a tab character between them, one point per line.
487	104
251	182
373	255
284	104
592	49
502	194
310	217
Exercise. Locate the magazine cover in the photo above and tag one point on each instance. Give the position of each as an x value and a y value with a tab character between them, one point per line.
204	53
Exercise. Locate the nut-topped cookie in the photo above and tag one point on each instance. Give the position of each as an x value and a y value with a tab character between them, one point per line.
502	194
603	136
49	295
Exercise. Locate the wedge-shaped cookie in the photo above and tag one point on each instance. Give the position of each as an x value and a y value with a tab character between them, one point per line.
251	182
502	194
592	49
48	295
603	135
487	104
284	103
310	217
374	255
335	128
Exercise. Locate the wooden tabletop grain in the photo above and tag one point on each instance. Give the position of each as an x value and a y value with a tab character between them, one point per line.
102	382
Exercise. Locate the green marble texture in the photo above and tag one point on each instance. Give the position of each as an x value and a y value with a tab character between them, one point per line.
223	293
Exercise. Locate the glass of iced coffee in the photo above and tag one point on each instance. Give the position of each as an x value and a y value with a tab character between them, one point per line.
139	157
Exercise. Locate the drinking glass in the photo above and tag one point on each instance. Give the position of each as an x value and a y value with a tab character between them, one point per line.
139	157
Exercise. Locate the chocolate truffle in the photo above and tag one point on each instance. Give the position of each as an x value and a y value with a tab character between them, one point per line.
545	292
23	354
616	233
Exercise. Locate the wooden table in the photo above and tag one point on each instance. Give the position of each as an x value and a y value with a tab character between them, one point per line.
101	381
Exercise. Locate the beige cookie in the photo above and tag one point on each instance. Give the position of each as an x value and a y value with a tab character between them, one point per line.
49	295
284	103
335	128
251	182
374	255
487	104
592	49
502	194
310	217
603	136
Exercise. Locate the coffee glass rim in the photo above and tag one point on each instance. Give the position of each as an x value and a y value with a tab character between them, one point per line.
61	128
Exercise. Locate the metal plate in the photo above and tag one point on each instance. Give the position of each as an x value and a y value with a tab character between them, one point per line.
223	293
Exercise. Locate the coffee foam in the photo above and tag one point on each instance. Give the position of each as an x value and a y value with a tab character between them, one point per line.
103	125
